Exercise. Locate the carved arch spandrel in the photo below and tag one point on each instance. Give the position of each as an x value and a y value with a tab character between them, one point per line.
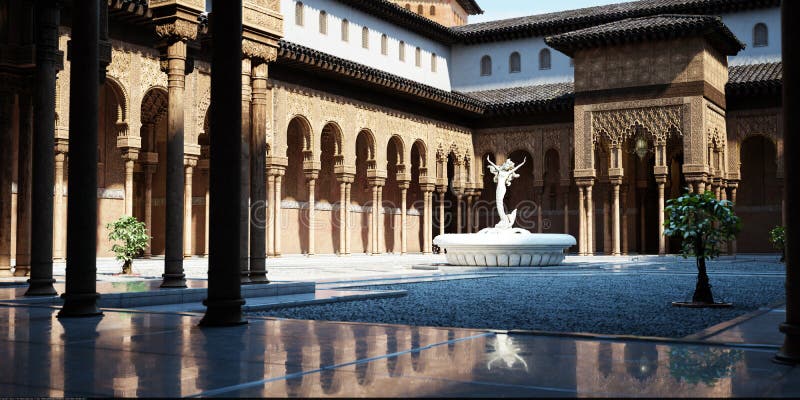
616	126
742	126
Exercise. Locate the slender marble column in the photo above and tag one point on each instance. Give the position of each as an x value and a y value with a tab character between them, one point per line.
373	221
224	302
278	211
539	206
379	234
427	221
342	217
625	219
6	155
590	221
47	170
271	214
565	204
643	221
58	206
734	249
616	248
174	239
470	227
246	137
790	352
258	195
606	221
130	156
581	221
662	242
459	196
80	296
441	192
207	209
149	170
190	163
312	233
347	218
23	258
404	185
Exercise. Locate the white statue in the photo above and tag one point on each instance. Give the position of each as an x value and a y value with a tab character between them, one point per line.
505	350
503	175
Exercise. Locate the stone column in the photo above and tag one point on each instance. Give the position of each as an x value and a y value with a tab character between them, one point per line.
590	220
661	180
47	170
403	185
734	186
426	222
23	258
625	239
6	169
581	221
80	296
565	204
58	206
347	218
149	170
311	178
174	235
224	302
539	191
616	248
244	216
258	154
790	352
129	156
207	209
342	217
277	206
441	190
380	236
459	196
470	226
189	164
270	214
607	245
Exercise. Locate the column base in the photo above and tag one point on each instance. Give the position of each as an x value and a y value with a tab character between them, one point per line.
22	271
79	305
223	313
41	287
789	354
173	281
258	271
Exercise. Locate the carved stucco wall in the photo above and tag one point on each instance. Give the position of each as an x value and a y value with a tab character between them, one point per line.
743	124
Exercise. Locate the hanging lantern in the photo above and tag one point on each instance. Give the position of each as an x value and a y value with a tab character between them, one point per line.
641	149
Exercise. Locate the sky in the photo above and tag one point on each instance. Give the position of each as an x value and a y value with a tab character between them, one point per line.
501	9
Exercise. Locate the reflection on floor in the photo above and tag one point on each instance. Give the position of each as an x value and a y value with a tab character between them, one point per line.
129	353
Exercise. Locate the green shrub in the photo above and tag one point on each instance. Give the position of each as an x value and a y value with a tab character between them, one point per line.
777	236
129	238
704	224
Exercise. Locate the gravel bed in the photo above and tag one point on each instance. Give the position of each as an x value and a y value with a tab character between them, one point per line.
605	303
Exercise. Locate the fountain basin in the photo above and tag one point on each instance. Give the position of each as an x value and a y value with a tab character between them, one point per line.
494	247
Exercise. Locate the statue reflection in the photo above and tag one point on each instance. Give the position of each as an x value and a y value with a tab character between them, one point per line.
506	351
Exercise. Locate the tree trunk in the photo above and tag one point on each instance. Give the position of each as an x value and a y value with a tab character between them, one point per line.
702	292
127	267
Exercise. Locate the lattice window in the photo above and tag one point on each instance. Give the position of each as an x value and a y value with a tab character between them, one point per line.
760	35
486	66
544	59
514	63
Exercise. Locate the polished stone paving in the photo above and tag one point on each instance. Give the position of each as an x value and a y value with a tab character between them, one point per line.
143	354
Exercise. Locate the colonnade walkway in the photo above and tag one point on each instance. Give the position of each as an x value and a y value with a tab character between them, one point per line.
143	353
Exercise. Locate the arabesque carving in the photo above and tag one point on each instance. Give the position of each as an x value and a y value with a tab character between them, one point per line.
618	125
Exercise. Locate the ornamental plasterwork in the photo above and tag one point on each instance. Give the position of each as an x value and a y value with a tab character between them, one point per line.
177	29
618	125
757	124
259	51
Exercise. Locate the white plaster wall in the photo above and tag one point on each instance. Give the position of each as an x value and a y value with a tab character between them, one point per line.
465	70
742	24
308	35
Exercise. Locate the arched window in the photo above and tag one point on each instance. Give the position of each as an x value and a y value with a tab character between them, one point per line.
384	45
760	35
433	62
323	22
433	10
298	14
408	7
418	57
345	30
544	59
365	37
514	63
486	66
420	9
402	51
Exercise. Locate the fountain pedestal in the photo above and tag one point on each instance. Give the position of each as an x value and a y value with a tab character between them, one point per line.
514	247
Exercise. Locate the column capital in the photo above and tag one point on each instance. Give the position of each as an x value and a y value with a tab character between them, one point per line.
276	170
585	181
311	175
130	154
345	177
441	189
376	181
427	187
615	180
662	178
190	160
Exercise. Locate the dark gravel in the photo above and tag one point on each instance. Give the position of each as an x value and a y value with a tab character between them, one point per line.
607	303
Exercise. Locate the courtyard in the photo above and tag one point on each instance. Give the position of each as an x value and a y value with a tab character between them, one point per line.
595	326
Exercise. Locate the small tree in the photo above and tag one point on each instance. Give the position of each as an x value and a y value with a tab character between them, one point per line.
703	223
778	238
133	237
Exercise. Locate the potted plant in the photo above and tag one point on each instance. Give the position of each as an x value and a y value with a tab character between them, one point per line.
777	236
704	224
132	238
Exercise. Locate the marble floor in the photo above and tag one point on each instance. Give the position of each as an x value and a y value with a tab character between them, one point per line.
131	354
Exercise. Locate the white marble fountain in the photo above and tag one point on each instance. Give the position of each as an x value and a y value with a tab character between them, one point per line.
504	245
